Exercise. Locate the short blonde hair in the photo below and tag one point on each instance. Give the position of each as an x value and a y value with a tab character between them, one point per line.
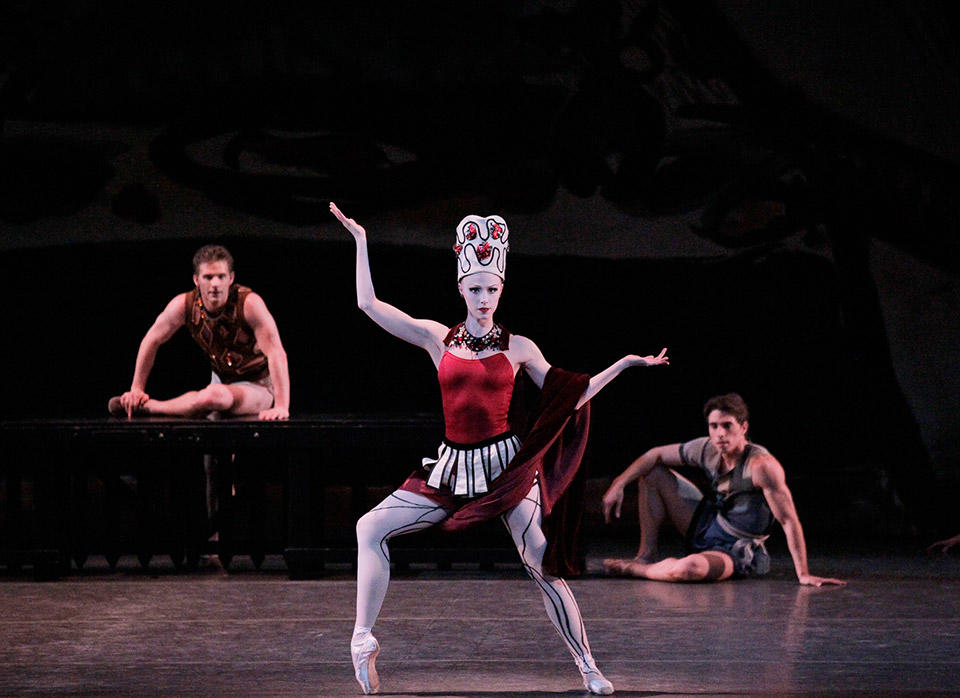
212	253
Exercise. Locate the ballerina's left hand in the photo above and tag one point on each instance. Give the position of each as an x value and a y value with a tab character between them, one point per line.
661	358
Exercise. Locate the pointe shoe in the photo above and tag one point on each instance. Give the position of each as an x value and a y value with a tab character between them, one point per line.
595	682
364	653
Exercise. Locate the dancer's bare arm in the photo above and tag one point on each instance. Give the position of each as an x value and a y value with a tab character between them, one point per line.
167	323
668	456
769	476
422	333
598	381
526	353
944	545
268	339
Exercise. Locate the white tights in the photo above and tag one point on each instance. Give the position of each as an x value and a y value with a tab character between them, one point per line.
405	512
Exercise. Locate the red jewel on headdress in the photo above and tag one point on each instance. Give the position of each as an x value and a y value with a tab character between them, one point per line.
483	251
497	229
471	231
458	248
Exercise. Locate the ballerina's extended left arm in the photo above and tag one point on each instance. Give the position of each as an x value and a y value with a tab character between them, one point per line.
528	355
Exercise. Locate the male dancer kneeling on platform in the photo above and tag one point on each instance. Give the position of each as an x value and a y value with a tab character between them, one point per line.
233	327
726	515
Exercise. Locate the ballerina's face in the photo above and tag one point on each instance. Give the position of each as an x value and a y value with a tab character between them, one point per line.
481	292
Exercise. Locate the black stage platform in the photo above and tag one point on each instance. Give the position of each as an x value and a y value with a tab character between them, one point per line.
74	488
895	630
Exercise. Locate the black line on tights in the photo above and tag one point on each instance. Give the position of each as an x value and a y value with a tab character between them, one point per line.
540	580
405	506
401	499
406	528
537	507
563	619
564	631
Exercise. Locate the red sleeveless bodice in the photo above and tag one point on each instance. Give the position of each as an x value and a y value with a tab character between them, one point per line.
476	396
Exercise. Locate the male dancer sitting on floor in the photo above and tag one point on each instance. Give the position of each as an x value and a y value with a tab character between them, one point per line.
740	489
235	330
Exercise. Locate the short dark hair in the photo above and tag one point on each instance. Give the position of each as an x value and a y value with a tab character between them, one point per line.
212	253
731	403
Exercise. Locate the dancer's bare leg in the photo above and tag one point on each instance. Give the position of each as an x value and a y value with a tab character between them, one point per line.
401	512
661	496
233	400
709	566
524	523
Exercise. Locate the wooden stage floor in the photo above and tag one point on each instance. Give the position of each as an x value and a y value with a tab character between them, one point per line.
895	630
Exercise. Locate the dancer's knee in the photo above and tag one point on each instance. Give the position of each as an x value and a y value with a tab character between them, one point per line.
368	532
214	398
532	556
658	478
699	567
688	569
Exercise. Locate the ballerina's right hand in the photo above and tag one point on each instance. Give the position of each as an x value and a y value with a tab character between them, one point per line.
355	228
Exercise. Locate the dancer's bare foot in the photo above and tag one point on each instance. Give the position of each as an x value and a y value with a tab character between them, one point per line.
116	409
622	567
614	566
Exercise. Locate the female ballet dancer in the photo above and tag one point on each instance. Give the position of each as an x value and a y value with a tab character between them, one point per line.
481	469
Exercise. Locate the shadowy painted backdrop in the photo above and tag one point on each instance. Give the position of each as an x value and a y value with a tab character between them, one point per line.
768	192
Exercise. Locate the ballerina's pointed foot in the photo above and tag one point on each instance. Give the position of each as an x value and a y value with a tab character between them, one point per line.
364	652
595	682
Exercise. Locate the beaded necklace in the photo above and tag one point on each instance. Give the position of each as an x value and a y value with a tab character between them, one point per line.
463	338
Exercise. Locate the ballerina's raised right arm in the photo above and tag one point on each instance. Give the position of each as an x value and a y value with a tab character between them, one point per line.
422	333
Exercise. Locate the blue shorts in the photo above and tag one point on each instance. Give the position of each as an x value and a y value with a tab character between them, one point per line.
750	557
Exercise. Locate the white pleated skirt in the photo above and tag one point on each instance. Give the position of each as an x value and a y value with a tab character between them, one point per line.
469	470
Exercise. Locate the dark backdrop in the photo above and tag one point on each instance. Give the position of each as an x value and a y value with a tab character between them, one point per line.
784	139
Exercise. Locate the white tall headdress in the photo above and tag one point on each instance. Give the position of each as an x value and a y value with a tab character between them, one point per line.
482	244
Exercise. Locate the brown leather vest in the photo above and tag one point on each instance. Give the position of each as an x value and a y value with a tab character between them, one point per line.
226	338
